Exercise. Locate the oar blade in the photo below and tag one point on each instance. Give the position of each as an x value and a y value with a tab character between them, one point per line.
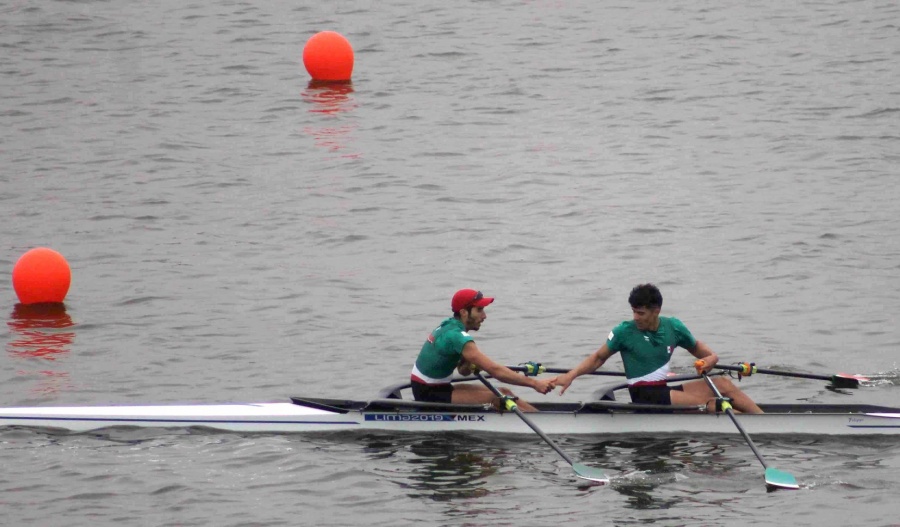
590	473
844	380
779	479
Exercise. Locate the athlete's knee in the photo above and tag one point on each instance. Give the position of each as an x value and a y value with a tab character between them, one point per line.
724	384
506	391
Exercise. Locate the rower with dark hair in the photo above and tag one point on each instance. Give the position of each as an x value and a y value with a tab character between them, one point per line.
450	346
646	343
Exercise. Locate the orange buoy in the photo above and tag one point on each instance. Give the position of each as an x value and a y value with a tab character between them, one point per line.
328	56
41	275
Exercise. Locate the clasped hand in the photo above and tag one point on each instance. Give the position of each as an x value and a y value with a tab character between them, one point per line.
544	386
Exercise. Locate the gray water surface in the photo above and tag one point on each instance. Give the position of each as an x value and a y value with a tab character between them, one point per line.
237	233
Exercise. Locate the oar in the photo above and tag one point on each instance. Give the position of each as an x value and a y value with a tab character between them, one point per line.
839	380
775	479
582	471
529	369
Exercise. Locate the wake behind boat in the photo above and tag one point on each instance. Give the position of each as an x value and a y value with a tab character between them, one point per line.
389	412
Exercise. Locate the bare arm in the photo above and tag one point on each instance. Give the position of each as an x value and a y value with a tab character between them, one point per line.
706	354
465	367
473	355
593	362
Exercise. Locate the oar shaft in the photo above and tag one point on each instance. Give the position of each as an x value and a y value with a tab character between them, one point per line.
839	379
780	373
525	418
564	370
737	423
541	433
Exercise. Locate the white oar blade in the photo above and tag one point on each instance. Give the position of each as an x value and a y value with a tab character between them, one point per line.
779	479
590	473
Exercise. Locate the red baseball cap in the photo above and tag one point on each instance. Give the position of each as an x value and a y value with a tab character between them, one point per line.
466	298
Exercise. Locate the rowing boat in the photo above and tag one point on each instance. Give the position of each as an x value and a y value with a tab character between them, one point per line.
595	417
389	412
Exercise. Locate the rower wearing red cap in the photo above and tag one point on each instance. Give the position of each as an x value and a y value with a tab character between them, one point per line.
450	346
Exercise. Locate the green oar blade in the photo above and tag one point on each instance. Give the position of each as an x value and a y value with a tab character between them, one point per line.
590	473
779	479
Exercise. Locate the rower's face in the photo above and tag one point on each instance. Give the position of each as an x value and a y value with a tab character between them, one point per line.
473	317
645	318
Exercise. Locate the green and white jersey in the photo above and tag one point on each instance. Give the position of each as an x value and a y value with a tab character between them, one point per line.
441	353
646	354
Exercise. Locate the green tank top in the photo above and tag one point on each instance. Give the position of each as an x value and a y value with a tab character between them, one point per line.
441	352
646	354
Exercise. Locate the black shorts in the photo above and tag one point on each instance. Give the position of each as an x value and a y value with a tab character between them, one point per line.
432	393
653	394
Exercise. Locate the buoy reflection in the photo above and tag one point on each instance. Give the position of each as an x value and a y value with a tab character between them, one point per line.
42	331
329	97
330	100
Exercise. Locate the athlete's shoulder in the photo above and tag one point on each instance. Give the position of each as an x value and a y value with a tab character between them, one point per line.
673	321
451	323
685	338
453	328
624	328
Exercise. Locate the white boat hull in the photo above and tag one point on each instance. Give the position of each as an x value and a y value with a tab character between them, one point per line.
286	417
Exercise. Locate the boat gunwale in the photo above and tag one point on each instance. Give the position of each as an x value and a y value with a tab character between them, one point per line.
588	407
